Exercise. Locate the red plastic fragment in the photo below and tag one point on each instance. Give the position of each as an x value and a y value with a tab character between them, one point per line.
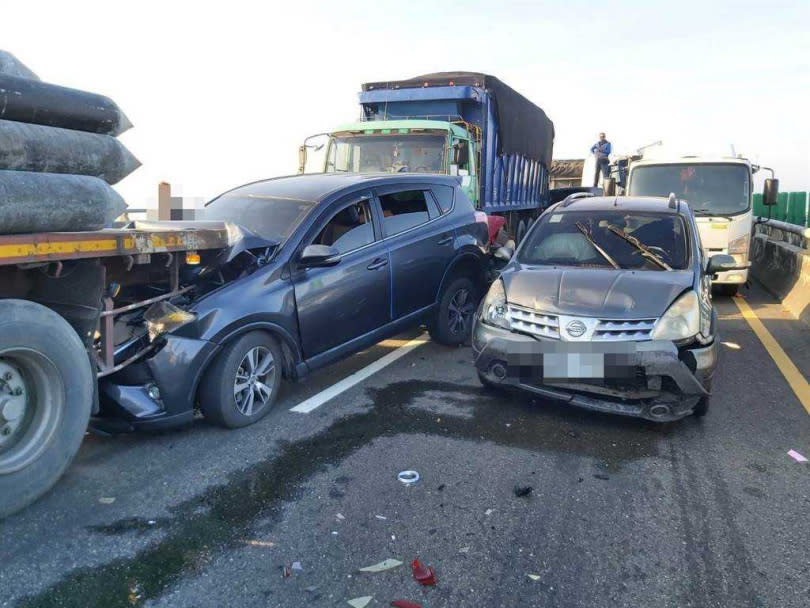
423	574
405	604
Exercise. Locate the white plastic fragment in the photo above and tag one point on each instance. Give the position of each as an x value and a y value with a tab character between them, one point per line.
383	517
297	566
340	516
383	565
489	512
408	477
796	456
360	602
107	500
534	577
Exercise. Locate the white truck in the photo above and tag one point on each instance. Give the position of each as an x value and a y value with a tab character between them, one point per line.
718	189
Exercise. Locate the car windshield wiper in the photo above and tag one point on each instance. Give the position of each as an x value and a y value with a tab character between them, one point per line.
602	252
709	213
645	251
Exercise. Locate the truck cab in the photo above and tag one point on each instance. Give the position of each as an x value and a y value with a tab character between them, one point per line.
719	191
404	146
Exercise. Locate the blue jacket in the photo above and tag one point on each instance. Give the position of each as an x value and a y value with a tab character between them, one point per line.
601	149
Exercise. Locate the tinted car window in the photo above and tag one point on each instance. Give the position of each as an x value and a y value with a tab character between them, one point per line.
403	210
349	229
444	195
559	239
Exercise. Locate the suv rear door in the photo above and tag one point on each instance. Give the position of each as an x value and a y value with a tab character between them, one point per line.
420	241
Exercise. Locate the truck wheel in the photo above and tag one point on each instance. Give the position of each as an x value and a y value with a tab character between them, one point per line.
454	318
46	394
241	386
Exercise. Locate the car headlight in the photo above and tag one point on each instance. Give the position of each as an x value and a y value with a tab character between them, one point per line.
680	321
494	310
163	317
738	249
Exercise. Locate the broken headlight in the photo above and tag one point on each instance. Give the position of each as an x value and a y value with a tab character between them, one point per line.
163	317
494	311
680	321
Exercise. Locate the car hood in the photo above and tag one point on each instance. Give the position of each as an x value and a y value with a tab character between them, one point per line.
614	294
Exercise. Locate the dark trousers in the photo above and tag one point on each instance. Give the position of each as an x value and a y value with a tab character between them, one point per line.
603	165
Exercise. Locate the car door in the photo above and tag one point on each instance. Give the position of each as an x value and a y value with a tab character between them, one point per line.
420	242
343	302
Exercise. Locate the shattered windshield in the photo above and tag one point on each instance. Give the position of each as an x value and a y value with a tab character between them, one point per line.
594	239
271	217
710	189
387	154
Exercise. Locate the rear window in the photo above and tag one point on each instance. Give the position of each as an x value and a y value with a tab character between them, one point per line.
403	210
444	195
563	239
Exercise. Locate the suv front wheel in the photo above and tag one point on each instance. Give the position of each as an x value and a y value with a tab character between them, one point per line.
454	317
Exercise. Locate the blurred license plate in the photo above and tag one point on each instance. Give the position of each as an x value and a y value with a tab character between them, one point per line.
573	365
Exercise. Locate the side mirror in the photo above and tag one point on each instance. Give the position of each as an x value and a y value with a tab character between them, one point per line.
770	192
302	159
722	263
461	153
316	256
609	187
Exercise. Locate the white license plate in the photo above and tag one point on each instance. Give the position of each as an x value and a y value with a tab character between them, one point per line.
573	365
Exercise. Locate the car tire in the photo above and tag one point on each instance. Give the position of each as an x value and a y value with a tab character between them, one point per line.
453	322
489	384
702	406
43	357
241	386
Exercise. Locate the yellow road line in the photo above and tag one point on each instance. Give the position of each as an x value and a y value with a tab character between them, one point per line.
789	370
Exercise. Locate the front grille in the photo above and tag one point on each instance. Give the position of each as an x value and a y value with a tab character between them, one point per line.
534	323
608	330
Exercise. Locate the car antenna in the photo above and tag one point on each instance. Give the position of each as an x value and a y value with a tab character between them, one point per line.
674	202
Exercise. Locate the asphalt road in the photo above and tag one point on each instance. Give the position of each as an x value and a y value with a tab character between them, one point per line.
622	512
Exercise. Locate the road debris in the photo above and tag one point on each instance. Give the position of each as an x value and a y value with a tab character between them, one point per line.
383	517
489	512
408	477
297	566
601	476
534	577
405	604
523	491
286	572
107	500
424	575
259	543
340	516
464	550
360	602
796	456
383	565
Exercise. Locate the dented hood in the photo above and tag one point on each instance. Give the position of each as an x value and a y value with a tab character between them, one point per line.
615	294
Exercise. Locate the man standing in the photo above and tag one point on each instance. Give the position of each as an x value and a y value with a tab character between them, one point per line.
601	150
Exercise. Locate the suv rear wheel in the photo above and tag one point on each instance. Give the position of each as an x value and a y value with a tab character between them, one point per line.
453	321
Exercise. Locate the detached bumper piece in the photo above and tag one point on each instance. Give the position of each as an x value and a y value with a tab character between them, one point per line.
648	379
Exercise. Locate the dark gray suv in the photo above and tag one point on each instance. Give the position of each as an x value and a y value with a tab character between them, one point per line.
606	305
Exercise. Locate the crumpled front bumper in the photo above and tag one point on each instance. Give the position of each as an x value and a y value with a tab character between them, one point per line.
157	392
653	379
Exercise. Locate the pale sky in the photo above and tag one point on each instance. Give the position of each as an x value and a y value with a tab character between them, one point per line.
223	93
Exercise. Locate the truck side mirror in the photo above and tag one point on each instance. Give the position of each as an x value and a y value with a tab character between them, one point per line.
770	192
609	187
461	153
302	159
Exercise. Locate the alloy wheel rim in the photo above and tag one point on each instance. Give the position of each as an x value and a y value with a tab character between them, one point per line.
255	380
460	311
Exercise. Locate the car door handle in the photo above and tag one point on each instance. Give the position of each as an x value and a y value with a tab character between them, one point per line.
446	240
378	263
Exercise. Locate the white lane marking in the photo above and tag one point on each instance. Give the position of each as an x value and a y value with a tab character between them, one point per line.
306	406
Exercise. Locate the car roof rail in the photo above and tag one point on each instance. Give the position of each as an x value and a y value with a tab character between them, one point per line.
575	196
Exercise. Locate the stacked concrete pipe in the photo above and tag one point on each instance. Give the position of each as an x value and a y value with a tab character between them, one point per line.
59	155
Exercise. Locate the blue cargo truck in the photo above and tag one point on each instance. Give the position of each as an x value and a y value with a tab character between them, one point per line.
456	123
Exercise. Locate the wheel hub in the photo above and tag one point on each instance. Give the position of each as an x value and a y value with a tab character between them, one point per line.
13	400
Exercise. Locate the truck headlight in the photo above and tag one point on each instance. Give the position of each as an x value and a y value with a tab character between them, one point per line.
494	311
738	249
680	321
